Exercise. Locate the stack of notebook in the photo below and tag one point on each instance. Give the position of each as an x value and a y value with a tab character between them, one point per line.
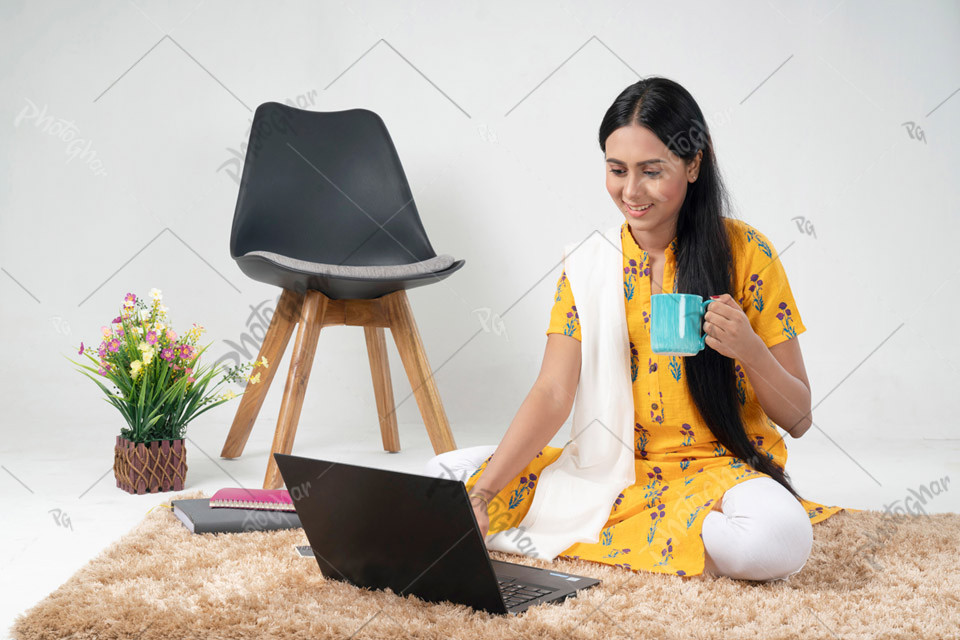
238	510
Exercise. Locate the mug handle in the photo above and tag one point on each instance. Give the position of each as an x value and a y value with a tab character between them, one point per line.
703	336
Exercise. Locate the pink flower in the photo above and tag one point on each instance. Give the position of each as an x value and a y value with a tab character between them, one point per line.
102	350
117	320
80	353
186	351
191	379
129	300
171	335
167	354
113	346
151	337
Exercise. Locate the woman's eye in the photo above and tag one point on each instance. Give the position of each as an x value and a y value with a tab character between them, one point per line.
620	172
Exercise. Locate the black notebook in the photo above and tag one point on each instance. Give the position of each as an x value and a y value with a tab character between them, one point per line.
199	517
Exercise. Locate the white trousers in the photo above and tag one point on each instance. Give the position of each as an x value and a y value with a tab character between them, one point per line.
763	532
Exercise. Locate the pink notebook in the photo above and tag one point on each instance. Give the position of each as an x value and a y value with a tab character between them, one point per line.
267	499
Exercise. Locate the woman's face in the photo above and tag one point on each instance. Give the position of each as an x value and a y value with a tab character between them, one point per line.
642	171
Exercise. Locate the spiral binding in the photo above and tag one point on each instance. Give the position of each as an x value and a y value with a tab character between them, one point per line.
251	504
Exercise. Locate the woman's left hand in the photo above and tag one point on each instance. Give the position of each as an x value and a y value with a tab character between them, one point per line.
728	329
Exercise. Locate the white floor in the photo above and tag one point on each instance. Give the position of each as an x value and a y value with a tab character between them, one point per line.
38	552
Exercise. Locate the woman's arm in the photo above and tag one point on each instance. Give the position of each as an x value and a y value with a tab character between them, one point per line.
779	379
540	416
776	373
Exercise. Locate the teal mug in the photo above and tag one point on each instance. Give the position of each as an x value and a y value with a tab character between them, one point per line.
676	323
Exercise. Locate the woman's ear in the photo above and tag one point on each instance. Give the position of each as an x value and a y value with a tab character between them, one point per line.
693	170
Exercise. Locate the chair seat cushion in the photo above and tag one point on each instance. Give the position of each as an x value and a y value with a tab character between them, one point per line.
372	272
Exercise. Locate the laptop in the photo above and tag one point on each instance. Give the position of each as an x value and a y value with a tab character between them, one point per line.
415	534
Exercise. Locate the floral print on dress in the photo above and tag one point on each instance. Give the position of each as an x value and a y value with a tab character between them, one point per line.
565	318
657	514
616	503
741	384
560	286
687	432
527	485
573	321
630	273
657	409
784	317
676	368
616	552
634	362
757	441
640	438
667	553
753	234
756	291
693	516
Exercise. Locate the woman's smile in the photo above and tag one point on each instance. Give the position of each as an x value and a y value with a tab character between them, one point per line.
638	211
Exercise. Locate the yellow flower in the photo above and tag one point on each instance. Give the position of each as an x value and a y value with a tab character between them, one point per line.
263	363
135	367
148	356
229	395
143	346
156	295
255	378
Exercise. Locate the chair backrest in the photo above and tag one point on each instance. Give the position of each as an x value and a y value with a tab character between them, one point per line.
318	186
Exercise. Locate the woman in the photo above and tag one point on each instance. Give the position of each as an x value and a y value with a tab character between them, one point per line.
710	494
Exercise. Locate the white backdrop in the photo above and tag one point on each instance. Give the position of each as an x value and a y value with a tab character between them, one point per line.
125	123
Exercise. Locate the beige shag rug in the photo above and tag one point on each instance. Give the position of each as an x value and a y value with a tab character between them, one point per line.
871	575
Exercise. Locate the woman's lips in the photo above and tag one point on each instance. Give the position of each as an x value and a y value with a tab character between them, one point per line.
638	214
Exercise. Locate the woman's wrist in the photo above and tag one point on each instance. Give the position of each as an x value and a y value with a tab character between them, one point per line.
476	498
482	494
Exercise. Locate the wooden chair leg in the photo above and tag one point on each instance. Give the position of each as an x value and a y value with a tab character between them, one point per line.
304	348
285	317
414	357
382	387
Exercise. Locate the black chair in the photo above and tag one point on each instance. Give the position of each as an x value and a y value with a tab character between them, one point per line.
325	212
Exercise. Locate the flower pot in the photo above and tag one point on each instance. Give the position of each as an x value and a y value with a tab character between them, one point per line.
142	468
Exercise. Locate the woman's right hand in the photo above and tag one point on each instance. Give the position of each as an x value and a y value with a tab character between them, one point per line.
480	511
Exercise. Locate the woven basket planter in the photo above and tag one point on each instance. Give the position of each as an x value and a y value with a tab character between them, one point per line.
141	468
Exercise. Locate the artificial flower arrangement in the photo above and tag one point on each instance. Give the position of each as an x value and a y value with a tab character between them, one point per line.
159	388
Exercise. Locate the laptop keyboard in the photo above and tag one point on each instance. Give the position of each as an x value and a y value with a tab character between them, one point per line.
515	593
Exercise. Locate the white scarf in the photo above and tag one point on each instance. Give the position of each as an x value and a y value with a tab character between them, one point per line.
575	494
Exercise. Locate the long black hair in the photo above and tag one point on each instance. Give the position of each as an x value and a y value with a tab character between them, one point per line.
704	254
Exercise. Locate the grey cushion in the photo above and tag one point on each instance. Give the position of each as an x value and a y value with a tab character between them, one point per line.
373	272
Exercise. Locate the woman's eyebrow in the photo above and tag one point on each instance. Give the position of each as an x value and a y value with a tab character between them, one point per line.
653	161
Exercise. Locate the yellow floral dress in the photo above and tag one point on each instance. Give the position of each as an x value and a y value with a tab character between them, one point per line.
681	469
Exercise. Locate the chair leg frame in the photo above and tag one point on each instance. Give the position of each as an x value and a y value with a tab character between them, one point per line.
312	311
